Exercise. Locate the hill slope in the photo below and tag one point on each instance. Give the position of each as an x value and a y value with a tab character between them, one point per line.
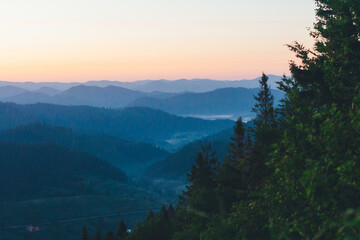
29	98
8	91
59	190
139	124
110	96
233	101
200	85
128	156
30	170
173	86
178	164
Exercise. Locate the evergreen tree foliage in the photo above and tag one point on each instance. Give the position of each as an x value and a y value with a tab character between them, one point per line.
264	106
171	211
237	144
150	215
265	133
121	232
200	195
164	212
297	175
97	236
316	163
84	234
231	174
109	236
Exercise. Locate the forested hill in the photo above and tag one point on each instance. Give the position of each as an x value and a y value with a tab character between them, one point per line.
38	170
175	166
109	96
225	101
129	123
126	155
178	164
298	175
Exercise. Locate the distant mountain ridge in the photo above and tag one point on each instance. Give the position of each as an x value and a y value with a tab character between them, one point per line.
137	124
230	101
110	96
223	101
9	91
181	85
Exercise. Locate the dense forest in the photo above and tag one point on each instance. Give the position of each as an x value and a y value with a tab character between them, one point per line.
46	169
296	173
136	124
132	157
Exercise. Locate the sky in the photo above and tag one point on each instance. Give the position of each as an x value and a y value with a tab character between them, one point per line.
82	40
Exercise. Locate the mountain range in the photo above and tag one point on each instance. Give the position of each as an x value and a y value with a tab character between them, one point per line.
224	101
171	86
135	124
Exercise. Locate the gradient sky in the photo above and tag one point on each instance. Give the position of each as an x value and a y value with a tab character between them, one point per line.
81	40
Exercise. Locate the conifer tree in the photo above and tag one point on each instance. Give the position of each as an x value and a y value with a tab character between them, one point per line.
237	144
84	234
200	194
231	173
150	215
109	236
122	231
97	236
264	106
164	213
171	211
317	161
265	133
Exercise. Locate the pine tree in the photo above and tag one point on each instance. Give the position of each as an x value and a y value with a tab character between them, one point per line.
97	236
164	213
316	162
237	144
264	106
265	133
171	211
231	173
109	236
84	234
150	215
122	231
200	194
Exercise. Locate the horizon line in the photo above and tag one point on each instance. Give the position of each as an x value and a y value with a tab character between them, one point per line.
162	79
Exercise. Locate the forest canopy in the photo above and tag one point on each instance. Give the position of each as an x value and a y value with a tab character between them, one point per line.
296	173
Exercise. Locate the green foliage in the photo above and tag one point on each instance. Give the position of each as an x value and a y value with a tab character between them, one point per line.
84	234
97	236
200	195
121	233
158	227
121	153
109	236
231	174
178	164
57	170
316	162
139	124
300	176
265	132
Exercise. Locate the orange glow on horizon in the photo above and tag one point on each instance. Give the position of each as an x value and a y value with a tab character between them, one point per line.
228	40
